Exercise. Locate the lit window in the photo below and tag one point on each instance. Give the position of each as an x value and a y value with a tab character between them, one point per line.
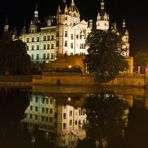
46	110
51	111
36	99
71	36
52	37
32	47
32	39
70	113
71	45
48	46
27	40
48	38
64	116
44	46
44	38
37	56
66	34
37	47
65	43
38	39
64	125
32	56
70	122
52	46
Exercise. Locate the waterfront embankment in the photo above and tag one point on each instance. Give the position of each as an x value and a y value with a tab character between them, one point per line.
72	79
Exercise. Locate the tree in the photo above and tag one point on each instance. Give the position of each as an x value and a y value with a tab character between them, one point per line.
141	58
105	115
13	56
105	55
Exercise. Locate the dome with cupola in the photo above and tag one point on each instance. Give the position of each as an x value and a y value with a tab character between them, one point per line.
73	10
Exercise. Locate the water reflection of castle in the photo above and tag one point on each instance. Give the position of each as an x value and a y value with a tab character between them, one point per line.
65	121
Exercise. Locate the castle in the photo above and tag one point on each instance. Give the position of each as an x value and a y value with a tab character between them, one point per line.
65	33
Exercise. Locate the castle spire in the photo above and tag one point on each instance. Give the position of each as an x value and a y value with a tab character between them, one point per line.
102	5
6	27
123	24
72	2
36	14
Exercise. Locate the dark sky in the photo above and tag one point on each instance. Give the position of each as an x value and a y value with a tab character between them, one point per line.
135	12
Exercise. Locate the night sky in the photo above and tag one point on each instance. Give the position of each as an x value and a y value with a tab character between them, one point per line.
135	12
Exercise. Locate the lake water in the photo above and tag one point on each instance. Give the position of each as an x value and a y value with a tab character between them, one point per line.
73	118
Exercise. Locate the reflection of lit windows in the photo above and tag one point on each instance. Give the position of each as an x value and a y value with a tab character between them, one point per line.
44	46
44	38
51	101
44	56
57	43
36	99
65	43
38	39
52	46
43	100
42	118
66	34
64	125
32	47
50	119
46	110
47	101
48	46
37	56
71	45
52	37
51	111
52	56
42	110
27	40
37	47
71	36
64	115
70	122
30	107
30	116
47	55
70	113
32	39
48	38
32	56
76	122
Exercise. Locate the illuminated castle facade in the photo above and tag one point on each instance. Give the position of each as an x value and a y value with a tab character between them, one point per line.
65	33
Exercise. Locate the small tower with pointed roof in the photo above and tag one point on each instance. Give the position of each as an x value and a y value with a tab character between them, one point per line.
6	26
102	22
125	38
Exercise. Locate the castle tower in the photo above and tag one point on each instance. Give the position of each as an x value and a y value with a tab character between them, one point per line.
125	38
36	15
102	22
6	26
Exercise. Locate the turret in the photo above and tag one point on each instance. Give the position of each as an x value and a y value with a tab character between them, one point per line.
125	38
102	22
6	26
36	17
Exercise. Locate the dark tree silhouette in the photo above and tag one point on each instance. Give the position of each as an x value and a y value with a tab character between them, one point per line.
13	56
105	55
105	115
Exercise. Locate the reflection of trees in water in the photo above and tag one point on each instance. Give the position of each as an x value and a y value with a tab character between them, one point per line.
13	103
105	112
137	131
